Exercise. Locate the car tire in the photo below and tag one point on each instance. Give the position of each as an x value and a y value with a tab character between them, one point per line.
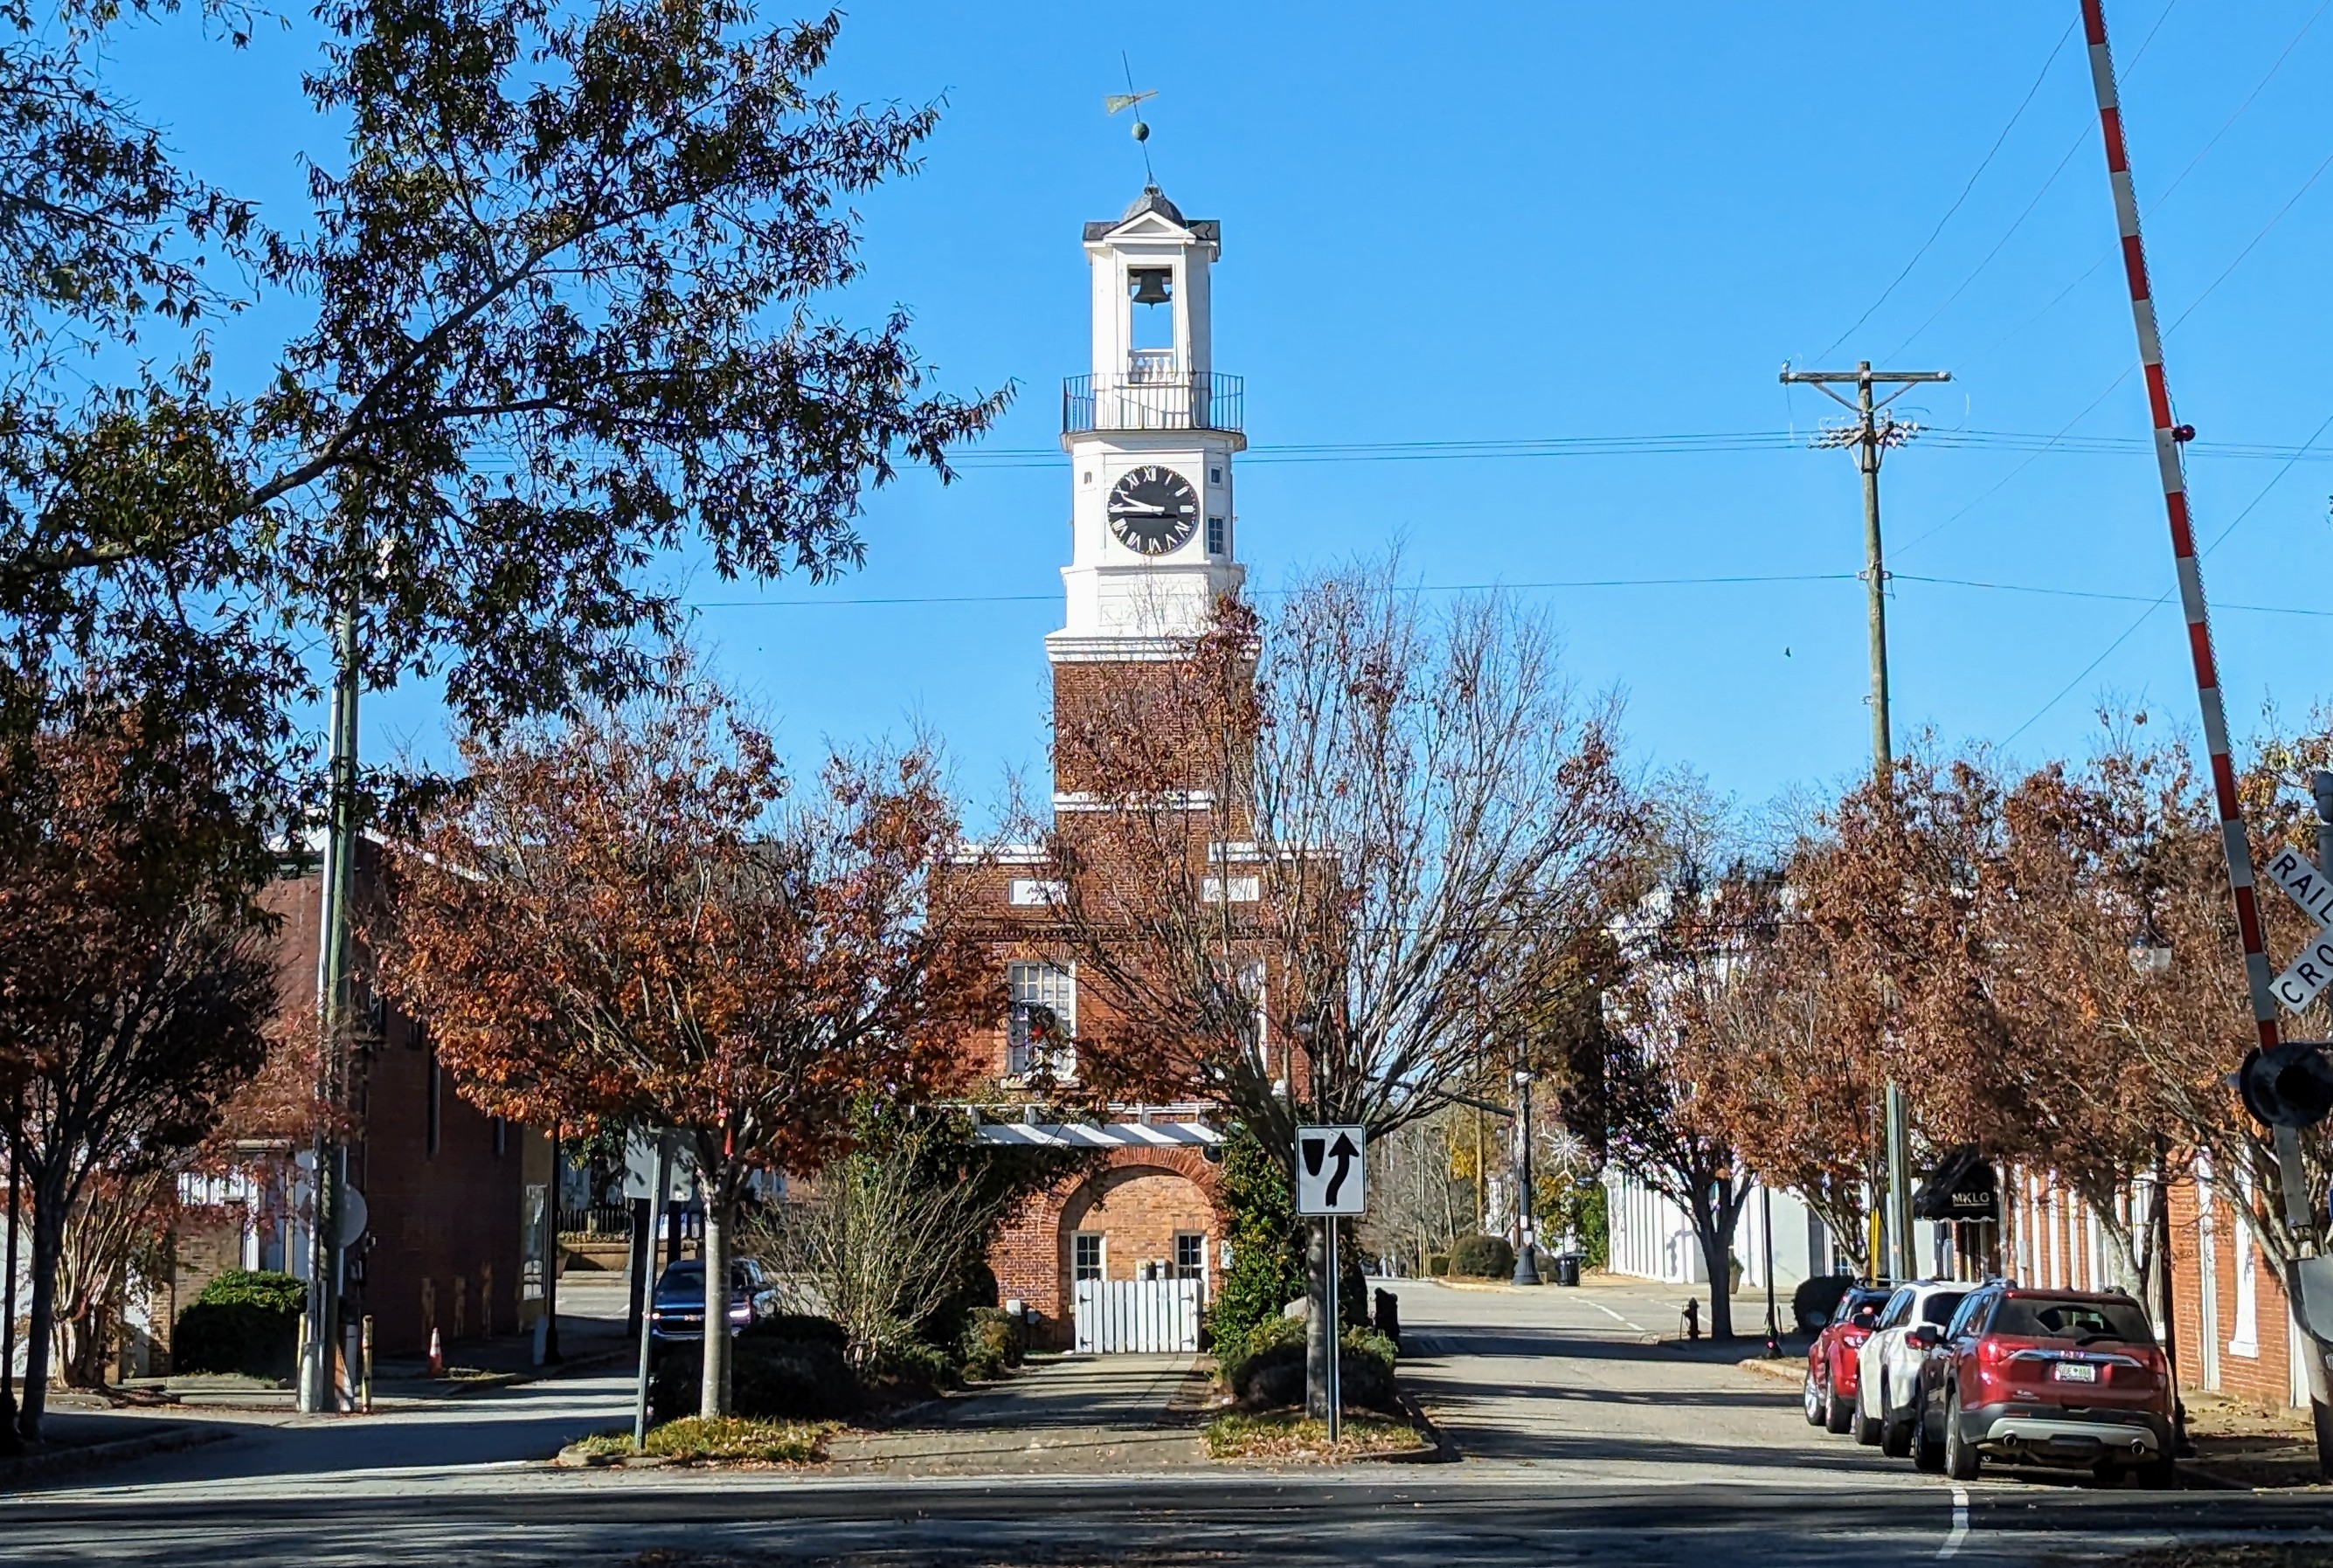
1927	1453
1961	1460
1866	1430
1895	1437
1814	1401
1838	1414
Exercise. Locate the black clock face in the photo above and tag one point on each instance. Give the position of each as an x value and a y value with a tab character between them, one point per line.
1153	510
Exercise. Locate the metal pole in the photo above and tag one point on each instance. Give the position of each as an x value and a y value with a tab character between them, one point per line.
551	1356
2170	464
1335	1345
317	1390
1526	1265
1766	1224
8	1310
647	1291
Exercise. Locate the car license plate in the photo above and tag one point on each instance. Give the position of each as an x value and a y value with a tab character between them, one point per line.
2074	1371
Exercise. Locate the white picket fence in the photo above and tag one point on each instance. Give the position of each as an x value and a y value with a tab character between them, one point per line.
1121	1315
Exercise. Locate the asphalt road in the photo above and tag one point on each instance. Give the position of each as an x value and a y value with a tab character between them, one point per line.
1584	1445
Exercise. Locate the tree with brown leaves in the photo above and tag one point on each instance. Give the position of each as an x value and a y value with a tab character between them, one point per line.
630	917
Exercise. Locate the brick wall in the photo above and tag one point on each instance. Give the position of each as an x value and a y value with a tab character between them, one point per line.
1138	1202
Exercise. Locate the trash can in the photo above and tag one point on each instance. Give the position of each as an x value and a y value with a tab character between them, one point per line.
1567	1268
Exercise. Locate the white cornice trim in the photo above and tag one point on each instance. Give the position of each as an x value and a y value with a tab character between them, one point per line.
1076	648
1172	799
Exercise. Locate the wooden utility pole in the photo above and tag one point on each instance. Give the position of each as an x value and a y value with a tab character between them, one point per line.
1874	431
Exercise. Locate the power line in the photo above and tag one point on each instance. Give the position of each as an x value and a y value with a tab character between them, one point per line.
2165	597
1665	445
1743	580
2055	50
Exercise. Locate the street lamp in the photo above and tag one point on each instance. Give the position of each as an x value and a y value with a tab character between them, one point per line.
1526	1267
2150	951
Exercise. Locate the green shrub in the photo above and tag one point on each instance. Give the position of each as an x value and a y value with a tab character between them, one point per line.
1438	1265
246	1321
1268	1372
992	1344
1267	1267
1483	1258
806	1328
258	1287
769	1378
911	1367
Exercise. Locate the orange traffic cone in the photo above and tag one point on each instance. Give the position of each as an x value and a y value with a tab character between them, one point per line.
437	1356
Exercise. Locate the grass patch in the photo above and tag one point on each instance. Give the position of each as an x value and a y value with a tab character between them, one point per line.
731	1441
1287	1435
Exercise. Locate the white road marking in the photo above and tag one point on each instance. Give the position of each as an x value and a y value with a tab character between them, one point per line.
1615	1317
1959	1533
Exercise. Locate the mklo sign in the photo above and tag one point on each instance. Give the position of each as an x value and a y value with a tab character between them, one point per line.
1331	1170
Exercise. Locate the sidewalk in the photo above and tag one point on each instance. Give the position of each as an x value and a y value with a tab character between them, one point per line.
1102	1414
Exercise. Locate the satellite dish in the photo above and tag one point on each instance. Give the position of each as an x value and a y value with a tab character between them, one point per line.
354	1216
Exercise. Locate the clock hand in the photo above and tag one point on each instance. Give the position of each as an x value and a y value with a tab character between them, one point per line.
1132	505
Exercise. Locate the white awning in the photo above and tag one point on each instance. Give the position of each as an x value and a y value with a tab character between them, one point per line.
1106	1135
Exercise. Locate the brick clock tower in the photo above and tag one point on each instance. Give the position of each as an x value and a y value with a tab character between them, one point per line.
1126	1253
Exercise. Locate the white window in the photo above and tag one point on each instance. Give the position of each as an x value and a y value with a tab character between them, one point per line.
1232	889
1215	536
1045	1019
1086	1259
1190	1256
1031	891
1251	985
2245	1340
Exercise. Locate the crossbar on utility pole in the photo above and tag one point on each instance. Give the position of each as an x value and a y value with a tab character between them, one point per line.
1872	434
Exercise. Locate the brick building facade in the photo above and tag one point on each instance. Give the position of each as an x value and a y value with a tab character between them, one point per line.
2232	1328
454	1197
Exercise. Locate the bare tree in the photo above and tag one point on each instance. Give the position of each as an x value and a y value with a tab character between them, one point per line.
1315	851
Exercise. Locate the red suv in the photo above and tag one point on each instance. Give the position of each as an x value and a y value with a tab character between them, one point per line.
1832	1360
2046	1377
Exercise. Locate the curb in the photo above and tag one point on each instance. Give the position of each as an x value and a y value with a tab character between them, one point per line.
95	1456
1443	1451
1782	1370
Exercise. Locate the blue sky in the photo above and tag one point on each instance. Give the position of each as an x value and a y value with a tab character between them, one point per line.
1540	224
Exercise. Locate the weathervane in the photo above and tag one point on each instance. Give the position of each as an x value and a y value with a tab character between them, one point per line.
1132	100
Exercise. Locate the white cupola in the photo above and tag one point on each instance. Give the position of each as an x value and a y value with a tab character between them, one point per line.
1150	432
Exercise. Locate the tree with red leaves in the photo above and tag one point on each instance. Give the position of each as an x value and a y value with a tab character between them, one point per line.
135	982
630	917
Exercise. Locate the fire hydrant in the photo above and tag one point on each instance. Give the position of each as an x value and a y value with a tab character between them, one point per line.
1692	1319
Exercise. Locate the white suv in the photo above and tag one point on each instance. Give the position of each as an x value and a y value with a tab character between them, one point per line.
1888	1368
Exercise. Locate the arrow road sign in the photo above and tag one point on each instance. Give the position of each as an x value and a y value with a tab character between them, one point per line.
1331	1170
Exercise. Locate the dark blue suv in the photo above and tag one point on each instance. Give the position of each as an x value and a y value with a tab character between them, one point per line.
677	1311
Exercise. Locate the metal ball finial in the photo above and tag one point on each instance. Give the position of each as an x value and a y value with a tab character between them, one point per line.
1141	131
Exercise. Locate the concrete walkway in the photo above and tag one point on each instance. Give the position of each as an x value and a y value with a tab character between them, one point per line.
1116	1413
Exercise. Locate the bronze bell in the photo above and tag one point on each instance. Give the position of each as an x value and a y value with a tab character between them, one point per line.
1150	286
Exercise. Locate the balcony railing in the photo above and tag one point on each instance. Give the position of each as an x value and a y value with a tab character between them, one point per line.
1151	398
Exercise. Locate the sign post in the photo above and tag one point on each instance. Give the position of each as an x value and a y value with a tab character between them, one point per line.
1332	1182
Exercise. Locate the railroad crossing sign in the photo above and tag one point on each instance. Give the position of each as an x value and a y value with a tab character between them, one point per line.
1331	1170
2312	889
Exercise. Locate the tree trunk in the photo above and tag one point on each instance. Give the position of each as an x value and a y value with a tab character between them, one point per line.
1319	1333
40	1332
713	1398
1717	1257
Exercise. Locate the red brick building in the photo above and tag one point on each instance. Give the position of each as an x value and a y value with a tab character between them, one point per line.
2232	1327
454	1197
1151	435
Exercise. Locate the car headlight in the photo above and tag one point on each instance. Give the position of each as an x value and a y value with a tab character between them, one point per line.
740	1312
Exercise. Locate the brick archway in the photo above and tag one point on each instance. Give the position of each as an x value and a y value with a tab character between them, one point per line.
1138	1200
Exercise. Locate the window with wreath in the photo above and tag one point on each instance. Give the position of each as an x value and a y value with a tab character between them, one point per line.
1044	1026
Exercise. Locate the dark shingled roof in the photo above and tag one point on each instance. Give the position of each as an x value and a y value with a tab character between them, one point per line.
1153	200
